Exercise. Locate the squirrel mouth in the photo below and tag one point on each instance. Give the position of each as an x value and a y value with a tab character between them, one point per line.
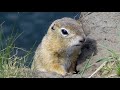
78	45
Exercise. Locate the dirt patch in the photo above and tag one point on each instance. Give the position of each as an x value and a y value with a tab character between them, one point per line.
104	29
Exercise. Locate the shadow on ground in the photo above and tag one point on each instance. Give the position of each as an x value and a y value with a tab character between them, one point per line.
89	49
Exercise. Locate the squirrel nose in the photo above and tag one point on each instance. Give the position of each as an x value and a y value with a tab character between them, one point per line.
82	40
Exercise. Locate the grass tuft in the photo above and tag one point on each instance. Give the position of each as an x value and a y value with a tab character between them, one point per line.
111	68
11	65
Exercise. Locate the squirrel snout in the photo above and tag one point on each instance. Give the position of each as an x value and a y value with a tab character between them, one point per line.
82	40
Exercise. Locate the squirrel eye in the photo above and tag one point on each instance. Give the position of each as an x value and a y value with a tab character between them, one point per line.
64	32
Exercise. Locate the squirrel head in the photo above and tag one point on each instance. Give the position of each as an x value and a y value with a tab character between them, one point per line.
66	32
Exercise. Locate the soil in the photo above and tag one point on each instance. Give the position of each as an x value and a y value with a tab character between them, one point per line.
102	29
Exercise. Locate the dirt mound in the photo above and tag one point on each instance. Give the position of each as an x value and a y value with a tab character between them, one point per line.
104	30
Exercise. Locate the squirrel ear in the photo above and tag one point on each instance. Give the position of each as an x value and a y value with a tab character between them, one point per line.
53	27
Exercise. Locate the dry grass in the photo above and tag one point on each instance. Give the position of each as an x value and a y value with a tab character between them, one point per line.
11	65
110	66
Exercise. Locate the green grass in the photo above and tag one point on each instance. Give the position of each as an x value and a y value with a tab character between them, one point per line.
118	68
11	65
86	66
113	62
111	67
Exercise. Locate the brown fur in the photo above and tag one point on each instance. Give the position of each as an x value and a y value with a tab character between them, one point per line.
57	53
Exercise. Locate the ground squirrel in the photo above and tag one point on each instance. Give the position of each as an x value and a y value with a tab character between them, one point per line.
60	47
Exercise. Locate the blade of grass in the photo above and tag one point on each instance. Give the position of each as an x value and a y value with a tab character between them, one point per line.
29	53
97	69
85	67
